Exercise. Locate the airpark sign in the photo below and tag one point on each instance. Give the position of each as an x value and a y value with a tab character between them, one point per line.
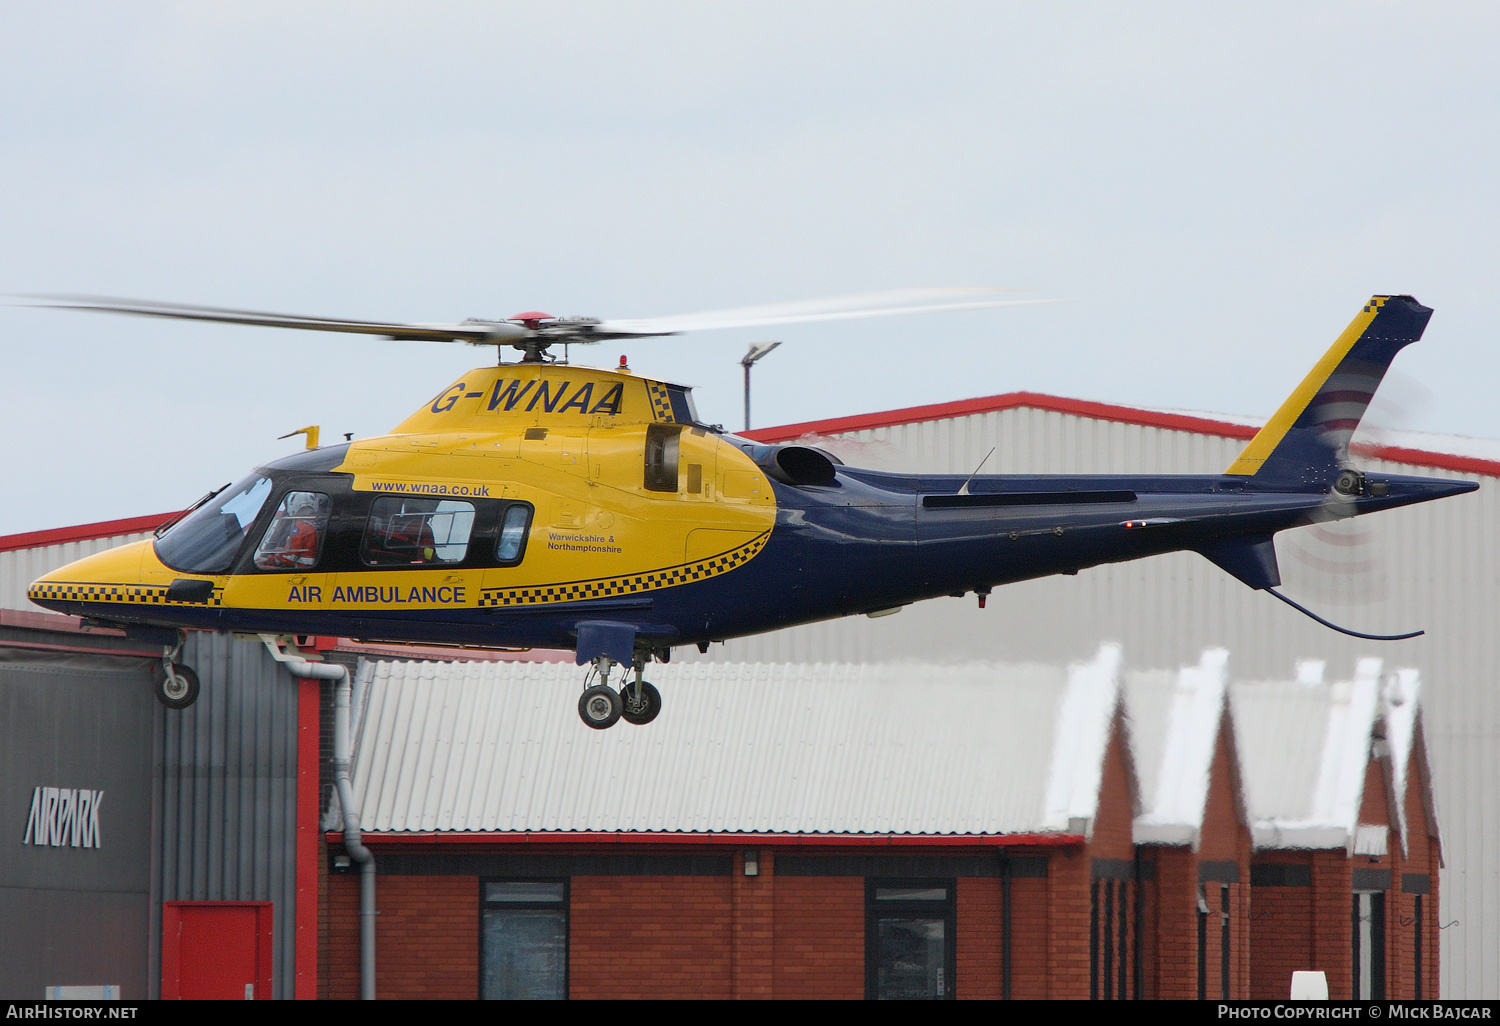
64	817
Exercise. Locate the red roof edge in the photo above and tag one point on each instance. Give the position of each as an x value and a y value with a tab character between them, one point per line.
629	837
1008	401
35	619
1097	411
83	532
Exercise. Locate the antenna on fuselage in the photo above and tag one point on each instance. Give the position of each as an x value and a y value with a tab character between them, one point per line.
964	489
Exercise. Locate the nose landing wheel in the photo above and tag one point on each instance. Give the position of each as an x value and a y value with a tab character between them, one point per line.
174	685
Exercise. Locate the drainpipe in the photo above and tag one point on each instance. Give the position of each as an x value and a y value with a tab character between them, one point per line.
357	851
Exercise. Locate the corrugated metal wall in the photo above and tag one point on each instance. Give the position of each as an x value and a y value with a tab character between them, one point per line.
1435	566
226	770
19	567
228	776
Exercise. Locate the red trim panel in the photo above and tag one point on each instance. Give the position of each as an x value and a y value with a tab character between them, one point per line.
83	532
1097	411
625	837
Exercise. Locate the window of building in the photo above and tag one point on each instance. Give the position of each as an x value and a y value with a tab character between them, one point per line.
662	449
1369	945
909	933
295	537
511	543
523	940
1114	938
1416	947
406	532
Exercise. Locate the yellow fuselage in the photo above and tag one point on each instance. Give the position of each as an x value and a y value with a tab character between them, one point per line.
571	442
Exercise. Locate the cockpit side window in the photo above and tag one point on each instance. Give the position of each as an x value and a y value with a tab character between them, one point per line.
662	457
295	538
207	539
511	544
404	532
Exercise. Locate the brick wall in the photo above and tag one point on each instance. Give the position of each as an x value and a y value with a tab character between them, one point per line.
650	937
1028	938
1281	933
426	938
1111	835
1173	974
1068	922
979	942
820	937
1332	895
754	930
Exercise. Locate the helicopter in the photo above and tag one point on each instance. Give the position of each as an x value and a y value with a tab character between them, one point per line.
546	504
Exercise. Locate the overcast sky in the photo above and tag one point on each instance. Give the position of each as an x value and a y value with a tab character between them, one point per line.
1218	188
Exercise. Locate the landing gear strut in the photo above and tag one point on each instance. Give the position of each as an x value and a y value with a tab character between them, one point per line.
175	685
601	706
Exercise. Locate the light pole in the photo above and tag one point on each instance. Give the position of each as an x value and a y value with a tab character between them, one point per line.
757	350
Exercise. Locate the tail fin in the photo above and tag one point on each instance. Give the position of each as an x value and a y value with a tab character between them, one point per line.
1307	441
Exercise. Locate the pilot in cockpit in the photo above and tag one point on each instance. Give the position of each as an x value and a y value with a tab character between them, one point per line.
292	539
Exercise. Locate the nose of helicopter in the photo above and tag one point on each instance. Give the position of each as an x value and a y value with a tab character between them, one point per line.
115	576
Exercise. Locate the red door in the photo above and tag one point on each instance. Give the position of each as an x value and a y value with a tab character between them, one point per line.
216	950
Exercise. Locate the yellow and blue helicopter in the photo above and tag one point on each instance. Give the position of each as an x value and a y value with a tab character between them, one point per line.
546	504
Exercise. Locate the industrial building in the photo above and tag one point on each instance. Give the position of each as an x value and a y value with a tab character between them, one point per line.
754	811
1023	831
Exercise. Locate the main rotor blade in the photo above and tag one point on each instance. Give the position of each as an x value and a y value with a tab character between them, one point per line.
475	332
893	303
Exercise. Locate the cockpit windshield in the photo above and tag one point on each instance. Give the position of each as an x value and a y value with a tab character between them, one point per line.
206	540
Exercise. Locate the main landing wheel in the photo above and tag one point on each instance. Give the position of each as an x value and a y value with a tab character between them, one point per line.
600	707
643	711
177	691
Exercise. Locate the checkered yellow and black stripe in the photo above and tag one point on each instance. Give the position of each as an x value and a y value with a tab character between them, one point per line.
661	402
634	584
127	593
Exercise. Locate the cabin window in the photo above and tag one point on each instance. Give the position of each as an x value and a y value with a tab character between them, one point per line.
207	539
406	532
295	537
662	457
909	933
524	940
512	541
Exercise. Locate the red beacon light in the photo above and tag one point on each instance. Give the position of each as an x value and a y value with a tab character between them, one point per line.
624	364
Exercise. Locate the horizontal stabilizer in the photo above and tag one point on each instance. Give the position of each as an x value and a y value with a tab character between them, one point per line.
1249	557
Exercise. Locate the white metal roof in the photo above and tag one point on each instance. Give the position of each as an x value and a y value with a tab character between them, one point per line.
1182	753
978	748
1305	748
